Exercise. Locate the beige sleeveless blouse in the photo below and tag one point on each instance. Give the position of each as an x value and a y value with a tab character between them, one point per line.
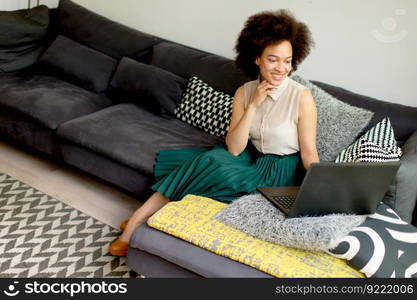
274	127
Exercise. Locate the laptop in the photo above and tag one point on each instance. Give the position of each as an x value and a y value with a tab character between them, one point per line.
330	188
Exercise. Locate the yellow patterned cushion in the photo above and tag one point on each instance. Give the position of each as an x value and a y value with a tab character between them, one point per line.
191	219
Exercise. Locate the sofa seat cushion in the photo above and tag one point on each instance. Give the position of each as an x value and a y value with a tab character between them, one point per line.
192	219
131	135
48	100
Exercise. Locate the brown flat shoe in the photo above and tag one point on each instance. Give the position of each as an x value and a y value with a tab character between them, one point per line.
118	248
123	225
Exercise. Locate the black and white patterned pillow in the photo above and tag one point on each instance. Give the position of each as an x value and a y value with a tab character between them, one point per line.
382	246
381	135
371	152
203	107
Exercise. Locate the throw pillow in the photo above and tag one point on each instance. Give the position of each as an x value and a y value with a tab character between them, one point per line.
22	37
151	87
256	216
100	33
402	194
383	246
382	134
338	123
78	64
371	152
205	108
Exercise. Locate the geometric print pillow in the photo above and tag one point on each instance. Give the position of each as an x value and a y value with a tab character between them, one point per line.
382	246
381	136
203	107
372	152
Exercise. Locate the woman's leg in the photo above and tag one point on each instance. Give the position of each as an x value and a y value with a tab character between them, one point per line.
152	205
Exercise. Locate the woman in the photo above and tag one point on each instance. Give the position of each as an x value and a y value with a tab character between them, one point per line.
276	113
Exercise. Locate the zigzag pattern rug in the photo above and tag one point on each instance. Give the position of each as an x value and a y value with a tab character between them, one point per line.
43	237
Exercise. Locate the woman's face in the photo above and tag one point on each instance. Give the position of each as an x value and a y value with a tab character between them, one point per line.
275	62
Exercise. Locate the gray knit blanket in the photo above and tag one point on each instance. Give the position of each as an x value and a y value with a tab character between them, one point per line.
256	216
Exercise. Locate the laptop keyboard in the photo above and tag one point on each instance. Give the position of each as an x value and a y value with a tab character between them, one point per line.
285	201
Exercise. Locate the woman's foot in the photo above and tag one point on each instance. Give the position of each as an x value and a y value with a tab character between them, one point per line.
123	225
118	248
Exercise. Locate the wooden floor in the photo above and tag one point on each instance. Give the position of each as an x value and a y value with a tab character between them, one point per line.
78	189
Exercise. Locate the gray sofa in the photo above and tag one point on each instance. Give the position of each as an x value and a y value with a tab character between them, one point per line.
88	101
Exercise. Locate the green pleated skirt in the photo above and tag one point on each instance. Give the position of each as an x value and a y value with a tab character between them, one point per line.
216	173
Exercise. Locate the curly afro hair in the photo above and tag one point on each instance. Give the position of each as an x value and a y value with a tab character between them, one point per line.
267	28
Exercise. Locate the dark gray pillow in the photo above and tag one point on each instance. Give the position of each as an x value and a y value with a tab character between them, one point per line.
402	194
98	32
148	86
338	123
22	37
79	64
217	71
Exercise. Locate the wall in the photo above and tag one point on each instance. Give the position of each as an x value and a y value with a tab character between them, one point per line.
369	47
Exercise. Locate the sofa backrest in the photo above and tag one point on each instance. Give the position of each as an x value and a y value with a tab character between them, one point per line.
117	40
222	74
217	71
403	118
102	34
23	34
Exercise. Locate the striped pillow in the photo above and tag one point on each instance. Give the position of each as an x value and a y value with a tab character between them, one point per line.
377	144
371	152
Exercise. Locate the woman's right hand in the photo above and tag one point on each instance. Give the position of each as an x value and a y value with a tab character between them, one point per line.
262	91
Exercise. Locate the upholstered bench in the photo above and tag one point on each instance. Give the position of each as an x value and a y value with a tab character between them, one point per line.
183	239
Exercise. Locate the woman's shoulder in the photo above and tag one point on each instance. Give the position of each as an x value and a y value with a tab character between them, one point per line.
246	89
304	95
249	84
298	86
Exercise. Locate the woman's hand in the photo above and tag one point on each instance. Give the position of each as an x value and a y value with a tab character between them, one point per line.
262	91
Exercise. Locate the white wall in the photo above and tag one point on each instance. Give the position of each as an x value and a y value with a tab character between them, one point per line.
366	46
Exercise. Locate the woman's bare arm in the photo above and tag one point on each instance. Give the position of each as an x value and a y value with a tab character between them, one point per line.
307	129
238	134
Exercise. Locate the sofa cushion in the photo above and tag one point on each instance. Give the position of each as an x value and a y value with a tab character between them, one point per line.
338	123
205	108
402	194
403	118
79	64
100	33
22	37
148	86
131	135
219	72
48	100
